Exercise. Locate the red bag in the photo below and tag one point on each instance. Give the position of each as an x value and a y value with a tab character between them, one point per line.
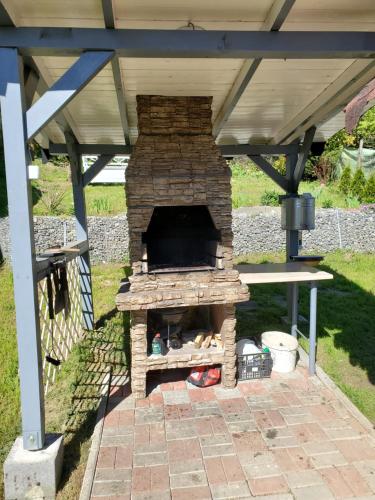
204	376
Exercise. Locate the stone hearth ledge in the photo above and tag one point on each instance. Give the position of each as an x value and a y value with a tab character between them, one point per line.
140	292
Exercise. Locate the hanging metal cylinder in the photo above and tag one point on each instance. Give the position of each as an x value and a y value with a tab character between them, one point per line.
298	212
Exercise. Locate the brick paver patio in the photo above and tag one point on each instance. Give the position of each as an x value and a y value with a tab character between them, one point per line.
282	438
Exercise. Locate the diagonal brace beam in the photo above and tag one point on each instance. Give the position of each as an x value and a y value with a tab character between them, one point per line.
270	171
62	92
302	157
95	168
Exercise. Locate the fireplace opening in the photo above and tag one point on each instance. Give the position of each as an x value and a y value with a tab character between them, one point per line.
181	238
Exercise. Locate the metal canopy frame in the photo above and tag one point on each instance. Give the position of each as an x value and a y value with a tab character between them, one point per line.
199	44
96	47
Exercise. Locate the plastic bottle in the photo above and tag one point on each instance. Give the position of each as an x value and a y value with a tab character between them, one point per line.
156	346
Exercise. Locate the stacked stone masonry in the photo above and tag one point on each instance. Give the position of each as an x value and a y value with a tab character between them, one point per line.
176	162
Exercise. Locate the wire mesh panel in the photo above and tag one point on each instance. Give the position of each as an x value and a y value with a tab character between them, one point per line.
58	335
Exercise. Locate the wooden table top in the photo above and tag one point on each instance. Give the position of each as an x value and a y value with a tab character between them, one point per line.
290	272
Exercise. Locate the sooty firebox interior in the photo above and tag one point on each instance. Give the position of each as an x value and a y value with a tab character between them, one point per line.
181	238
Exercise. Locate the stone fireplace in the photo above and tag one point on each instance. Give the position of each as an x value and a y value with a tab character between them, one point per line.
179	214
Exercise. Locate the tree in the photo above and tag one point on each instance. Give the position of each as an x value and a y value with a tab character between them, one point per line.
366	128
369	194
358	184
346	180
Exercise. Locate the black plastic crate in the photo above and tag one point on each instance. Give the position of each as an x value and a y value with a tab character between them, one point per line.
251	366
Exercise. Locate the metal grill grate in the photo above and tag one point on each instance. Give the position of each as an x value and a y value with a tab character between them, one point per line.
59	335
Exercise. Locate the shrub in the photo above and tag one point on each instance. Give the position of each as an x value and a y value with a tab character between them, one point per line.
270	198
327	203
309	173
242	167
279	164
352	202
52	199
325	167
346	180
358	184
369	194
102	206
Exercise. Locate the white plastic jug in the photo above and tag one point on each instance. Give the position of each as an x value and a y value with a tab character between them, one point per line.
283	348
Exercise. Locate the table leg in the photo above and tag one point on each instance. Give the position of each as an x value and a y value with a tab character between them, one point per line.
294	318
312	334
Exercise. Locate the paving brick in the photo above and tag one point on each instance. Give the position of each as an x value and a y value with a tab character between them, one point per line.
323	412
197	493
303	478
117	440
245	442
202	394
317	448
113	475
356	482
251	387
188	465
268	485
310	432
242	426
356	449
291	459
150	459
216	439
233	490
208	426
336	482
188	480
147	479
148	415
180	429
232	469
125	418
224	393
214	470
333	458
181	449
234	405
111	488
225	469
175	397
156	399
315	492
256	471
124	457
218	450
206	409
106	457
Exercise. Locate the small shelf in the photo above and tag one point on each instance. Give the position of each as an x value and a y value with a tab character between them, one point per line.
187	356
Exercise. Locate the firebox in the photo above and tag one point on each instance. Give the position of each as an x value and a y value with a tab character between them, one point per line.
181	238
178	194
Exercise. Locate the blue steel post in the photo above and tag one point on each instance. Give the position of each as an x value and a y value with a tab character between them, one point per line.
312	333
81	231
13	114
292	248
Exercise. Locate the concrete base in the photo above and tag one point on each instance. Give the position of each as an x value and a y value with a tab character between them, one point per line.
34	474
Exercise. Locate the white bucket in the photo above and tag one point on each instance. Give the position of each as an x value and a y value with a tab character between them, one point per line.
283	348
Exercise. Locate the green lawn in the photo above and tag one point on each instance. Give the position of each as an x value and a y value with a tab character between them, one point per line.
346	349
52	193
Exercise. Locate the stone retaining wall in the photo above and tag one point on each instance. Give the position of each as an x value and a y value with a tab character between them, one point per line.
256	229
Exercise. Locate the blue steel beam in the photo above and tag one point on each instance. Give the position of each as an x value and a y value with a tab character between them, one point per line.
81	231
270	171
95	168
12	101
63	91
195	43
226	150
275	18
302	157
